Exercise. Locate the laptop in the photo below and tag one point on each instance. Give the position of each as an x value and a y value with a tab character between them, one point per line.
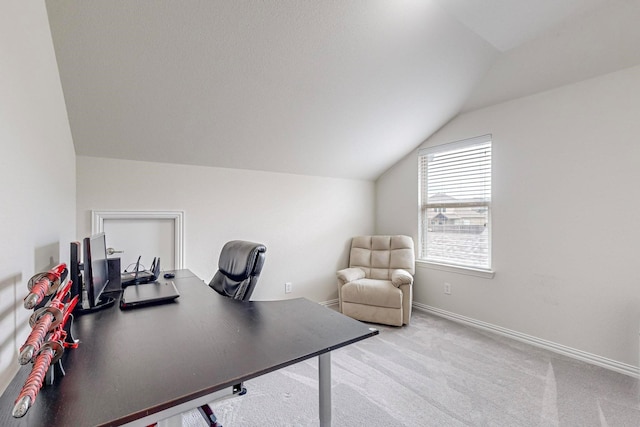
150	294
144	276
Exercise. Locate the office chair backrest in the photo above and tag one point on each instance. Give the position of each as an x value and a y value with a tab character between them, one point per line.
239	267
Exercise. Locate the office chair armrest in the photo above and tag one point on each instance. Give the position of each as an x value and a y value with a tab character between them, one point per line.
350	274
401	277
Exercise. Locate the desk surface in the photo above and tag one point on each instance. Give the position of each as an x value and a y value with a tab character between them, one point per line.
138	362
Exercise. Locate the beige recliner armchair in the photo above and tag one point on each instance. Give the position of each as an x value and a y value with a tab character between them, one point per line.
378	285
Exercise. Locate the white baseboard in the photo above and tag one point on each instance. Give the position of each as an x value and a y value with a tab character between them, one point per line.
594	359
329	303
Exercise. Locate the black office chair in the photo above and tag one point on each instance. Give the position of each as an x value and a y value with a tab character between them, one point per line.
239	267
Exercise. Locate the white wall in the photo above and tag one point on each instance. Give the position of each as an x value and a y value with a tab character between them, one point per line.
565	217
305	222
37	168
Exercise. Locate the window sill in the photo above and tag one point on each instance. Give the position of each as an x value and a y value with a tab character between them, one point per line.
485	274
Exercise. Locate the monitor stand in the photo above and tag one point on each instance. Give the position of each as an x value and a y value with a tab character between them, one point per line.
105	302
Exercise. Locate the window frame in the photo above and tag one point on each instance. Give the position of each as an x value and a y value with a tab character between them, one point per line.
424	207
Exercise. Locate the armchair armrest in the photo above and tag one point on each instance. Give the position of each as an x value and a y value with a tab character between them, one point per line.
401	277
350	274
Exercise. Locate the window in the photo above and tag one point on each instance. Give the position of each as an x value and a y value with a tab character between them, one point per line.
455	203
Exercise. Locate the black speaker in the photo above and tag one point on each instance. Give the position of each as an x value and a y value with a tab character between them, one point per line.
115	283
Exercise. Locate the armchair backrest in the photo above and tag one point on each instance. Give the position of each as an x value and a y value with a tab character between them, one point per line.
239	267
378	256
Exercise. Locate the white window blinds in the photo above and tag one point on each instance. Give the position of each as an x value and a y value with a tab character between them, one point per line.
455	203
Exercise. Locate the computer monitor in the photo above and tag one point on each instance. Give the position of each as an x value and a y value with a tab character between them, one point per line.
96	270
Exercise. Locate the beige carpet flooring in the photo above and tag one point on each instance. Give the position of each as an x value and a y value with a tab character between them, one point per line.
435	372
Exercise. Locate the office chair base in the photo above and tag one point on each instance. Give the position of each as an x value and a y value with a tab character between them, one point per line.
209	416
207	412
239	389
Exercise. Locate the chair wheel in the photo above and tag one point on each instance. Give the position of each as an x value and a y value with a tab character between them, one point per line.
239	389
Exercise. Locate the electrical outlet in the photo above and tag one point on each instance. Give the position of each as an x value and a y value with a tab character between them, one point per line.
288	287
447	288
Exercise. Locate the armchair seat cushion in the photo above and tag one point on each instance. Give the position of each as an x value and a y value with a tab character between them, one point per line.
376	292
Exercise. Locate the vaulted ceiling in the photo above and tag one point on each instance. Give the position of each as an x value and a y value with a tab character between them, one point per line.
335	88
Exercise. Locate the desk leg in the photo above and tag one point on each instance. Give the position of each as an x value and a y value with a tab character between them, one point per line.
324	380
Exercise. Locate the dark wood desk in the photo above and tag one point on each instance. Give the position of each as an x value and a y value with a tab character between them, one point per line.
144	364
